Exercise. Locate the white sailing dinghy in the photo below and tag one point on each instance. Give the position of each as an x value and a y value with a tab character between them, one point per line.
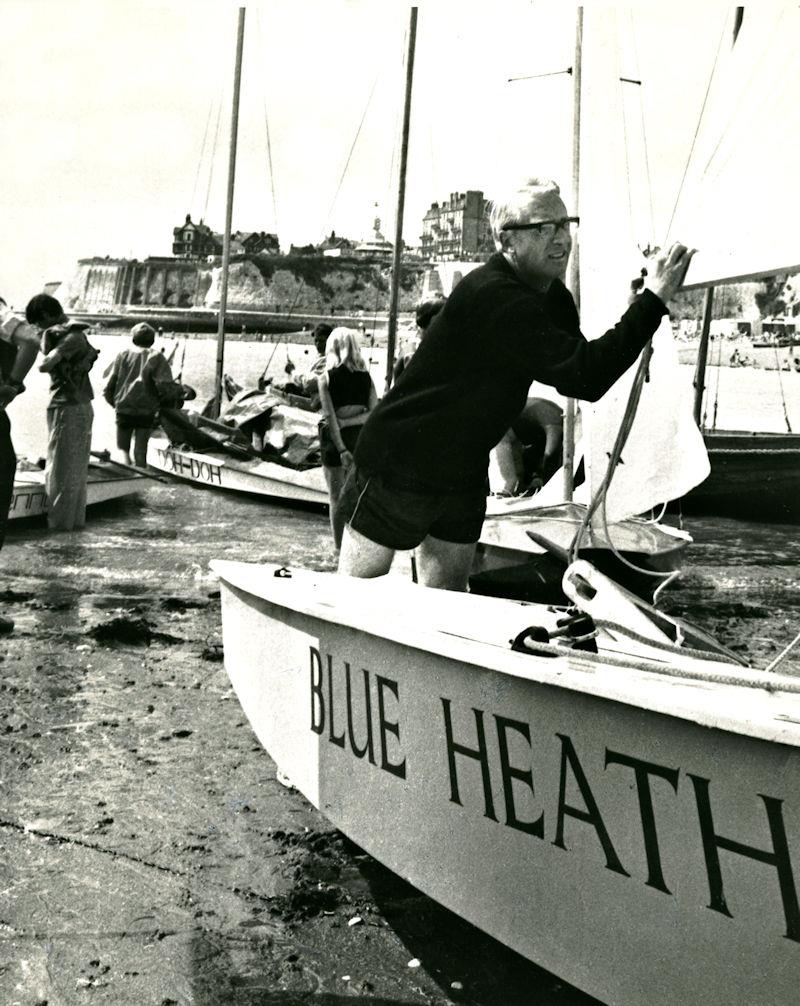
254	476
208	453
596	787
625	819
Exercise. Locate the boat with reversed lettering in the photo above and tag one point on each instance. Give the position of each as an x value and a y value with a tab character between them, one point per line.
107	480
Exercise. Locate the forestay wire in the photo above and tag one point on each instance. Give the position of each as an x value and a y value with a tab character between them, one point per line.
266	124
697	129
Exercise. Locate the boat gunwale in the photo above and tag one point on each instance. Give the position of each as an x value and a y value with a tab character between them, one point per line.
613	679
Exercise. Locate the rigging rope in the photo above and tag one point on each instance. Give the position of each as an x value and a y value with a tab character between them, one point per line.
213	158
263	64
350	154
783	395
754	73
745	677
720	339
638	72
696	130
202	152
600	497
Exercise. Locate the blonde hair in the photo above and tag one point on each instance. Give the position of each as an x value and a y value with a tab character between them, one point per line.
513	207
343	347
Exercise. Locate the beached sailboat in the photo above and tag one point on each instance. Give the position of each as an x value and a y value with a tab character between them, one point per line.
755	475
624	819
206	453
746	146
599	787
107	481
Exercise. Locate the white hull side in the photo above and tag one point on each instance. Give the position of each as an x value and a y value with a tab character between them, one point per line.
220	471
30	498
628	921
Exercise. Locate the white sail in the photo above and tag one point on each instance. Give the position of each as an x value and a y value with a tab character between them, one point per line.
738	204
664	456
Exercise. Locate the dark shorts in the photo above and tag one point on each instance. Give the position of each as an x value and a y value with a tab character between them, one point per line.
329	454
136	420
402	518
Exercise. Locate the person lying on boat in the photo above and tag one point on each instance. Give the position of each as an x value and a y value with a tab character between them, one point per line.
421	461
347	395
424	315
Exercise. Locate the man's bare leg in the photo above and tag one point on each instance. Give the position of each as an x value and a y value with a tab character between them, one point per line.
362	557
445	564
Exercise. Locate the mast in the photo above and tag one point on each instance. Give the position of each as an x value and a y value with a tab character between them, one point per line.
226	241
702	357
574	264
391	337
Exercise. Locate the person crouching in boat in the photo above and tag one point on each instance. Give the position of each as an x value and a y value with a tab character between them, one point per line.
68	358
420	475
347	396
131	390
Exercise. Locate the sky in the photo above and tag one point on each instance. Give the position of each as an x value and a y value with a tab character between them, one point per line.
109	115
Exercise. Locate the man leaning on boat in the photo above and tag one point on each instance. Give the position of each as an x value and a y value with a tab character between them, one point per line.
420	473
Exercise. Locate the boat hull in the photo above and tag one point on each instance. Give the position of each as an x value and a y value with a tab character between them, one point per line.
106	482
524	550
754	476
218	470
595	834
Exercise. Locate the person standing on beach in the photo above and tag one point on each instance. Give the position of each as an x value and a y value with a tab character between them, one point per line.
421	462
347	396
131	391
18	348
308	382
424	315
68	358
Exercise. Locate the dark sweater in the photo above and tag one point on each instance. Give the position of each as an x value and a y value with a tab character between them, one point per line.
349	387
469	379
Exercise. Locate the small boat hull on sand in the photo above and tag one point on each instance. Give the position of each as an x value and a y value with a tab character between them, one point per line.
635	832
525	548
754	476
219	470
106	481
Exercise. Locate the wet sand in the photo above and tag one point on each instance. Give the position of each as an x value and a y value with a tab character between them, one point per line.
151	856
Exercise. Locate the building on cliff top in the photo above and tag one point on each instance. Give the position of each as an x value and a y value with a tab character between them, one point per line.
457	229
197	241
335	246
376	246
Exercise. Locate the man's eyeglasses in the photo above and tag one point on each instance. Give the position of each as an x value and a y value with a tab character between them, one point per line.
547	228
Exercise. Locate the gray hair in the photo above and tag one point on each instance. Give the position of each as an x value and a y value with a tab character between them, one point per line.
512	208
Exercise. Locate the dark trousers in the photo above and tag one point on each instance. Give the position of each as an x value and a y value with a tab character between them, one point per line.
8	465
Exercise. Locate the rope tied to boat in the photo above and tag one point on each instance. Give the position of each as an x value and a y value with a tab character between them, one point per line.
746	678
576	626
